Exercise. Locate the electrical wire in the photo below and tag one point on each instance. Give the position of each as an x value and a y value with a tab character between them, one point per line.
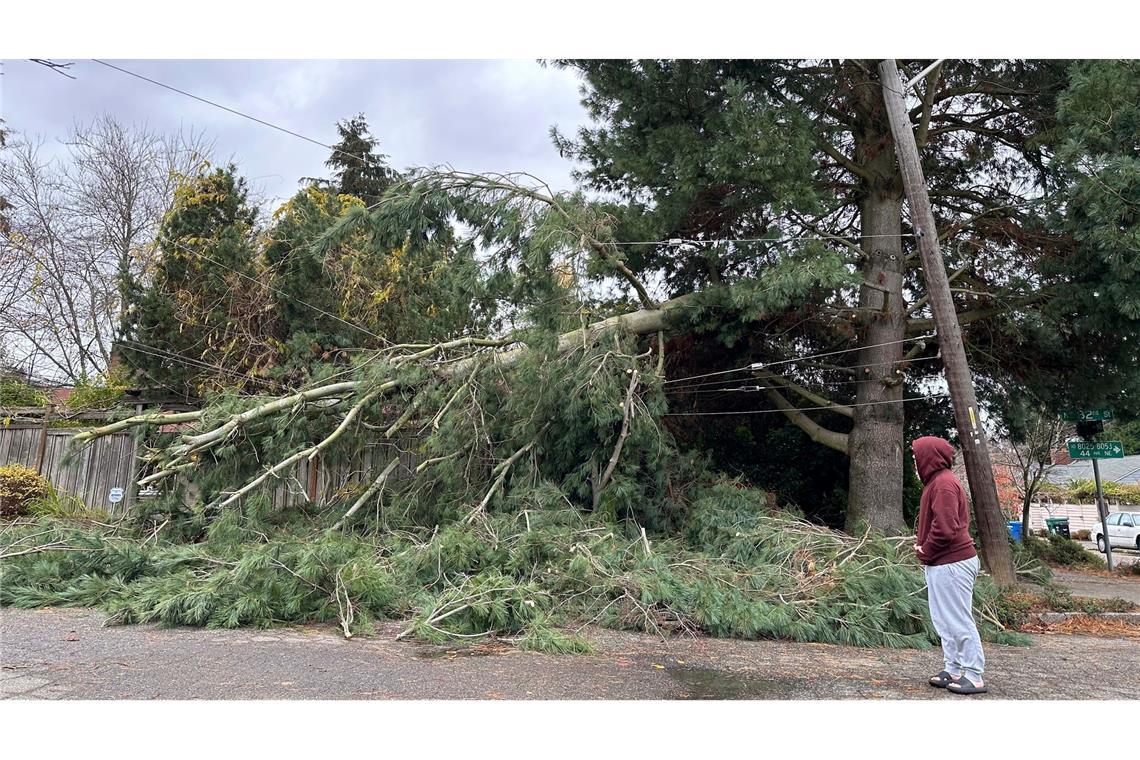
293	298
807	408
714	241
234	111
765	365
280	129
142	348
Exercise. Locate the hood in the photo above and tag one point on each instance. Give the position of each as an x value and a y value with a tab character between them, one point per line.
931	454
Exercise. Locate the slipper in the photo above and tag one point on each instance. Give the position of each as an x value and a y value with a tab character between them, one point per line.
964	685
941	680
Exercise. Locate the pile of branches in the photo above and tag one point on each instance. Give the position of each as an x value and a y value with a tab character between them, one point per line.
536	578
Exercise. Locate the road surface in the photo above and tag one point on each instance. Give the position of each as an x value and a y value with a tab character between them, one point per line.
67	654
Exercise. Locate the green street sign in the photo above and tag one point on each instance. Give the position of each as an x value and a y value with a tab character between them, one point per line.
1086	415
1101	450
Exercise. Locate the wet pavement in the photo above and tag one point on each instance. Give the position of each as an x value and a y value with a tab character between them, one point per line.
68	654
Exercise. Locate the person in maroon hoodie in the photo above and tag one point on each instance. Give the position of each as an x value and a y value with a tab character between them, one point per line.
951	564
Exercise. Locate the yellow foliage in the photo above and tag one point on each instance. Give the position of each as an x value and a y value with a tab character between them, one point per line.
19	485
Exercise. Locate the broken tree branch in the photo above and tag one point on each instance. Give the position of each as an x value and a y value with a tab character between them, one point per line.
627	415
815	431
376	487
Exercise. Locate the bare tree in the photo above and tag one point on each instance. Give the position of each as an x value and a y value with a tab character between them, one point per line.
1032	456
79	227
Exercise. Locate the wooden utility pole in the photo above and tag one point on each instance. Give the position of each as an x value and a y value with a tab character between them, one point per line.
979	470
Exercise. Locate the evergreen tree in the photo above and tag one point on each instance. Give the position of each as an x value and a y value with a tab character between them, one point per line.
201	308
337	284
357	166
777	149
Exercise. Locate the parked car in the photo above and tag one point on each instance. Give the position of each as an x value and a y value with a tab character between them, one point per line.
1123	531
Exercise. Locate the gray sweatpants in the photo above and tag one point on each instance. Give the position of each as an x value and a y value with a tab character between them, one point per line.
950	589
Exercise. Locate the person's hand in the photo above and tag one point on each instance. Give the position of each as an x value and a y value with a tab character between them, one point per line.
918	549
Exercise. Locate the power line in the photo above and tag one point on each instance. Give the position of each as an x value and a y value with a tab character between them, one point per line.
234	111
280	129
280	292
749	387
765	365
713	241
937	357
706	385
191	362
807	408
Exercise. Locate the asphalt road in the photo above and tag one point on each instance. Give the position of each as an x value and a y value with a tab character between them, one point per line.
67	654
1100	586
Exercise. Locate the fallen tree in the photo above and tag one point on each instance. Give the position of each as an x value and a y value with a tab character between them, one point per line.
538	577
547	489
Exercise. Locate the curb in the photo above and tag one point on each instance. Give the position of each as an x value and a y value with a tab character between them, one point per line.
1060	617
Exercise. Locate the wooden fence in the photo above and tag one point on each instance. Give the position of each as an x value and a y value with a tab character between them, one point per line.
89	471
1080	516
333	481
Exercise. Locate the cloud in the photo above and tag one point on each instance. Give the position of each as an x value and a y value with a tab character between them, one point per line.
477	115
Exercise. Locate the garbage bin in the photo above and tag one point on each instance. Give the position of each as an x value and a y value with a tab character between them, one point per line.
1058	525
1015	530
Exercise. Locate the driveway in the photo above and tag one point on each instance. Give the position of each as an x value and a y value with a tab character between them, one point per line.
67	654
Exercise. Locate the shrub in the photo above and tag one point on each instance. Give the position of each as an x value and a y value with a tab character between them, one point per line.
19	486
1082	535
102	392
14	393
1058	550
1086	489
1013	609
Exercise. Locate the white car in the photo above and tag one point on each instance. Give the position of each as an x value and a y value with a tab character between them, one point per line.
1123	531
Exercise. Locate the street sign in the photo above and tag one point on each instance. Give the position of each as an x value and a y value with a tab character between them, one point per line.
115	496
1086	415
1101	450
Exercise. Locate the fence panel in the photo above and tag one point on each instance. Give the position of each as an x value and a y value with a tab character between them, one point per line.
92	470
88	472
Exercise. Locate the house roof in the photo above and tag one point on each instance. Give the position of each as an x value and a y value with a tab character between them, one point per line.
1125	470
60	395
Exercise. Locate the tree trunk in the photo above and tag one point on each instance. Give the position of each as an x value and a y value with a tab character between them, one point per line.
1025	516
875	490
875	497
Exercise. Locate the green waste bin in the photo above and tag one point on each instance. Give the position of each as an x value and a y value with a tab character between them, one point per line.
1058	525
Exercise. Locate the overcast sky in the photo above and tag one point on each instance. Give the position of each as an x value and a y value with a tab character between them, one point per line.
475	115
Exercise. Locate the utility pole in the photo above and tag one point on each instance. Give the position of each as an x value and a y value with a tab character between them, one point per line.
975	452
1103	514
